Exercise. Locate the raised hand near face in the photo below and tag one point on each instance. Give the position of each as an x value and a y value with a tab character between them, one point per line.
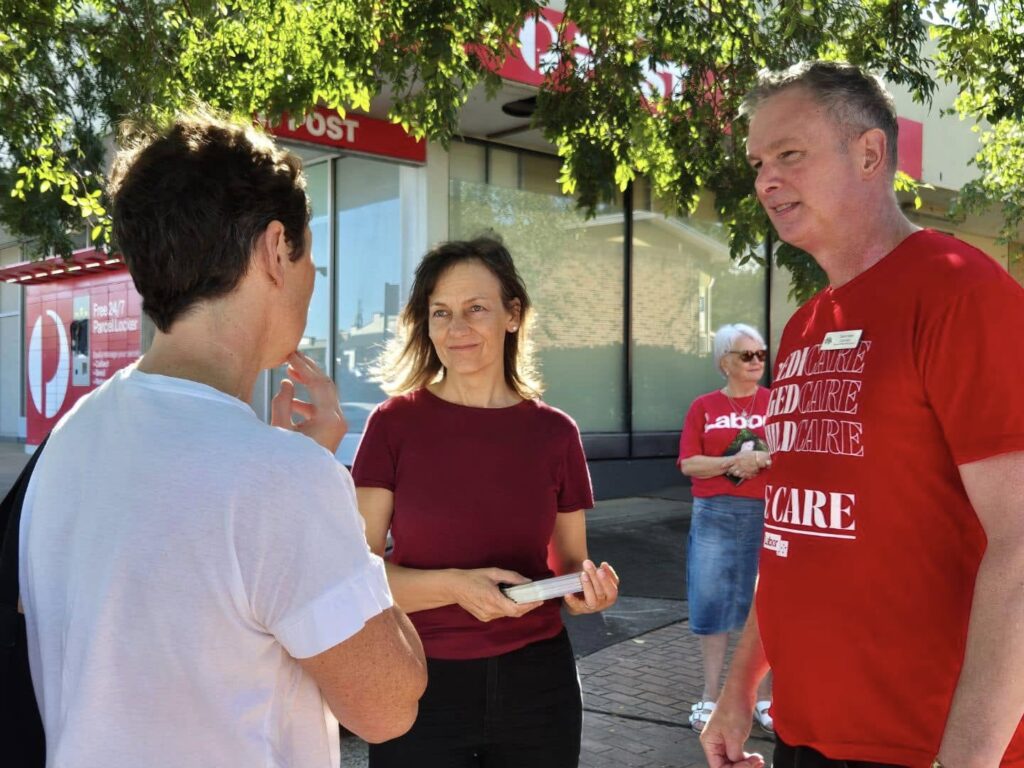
322	419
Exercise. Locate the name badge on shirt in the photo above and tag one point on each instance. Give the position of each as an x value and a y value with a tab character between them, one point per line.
841	340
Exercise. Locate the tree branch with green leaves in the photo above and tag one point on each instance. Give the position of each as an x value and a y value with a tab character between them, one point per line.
72	70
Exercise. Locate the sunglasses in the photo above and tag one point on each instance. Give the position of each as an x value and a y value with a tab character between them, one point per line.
747	355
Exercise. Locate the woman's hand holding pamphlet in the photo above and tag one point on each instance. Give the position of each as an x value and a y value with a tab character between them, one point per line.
545	589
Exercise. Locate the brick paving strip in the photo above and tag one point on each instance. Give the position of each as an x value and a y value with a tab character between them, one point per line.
636	700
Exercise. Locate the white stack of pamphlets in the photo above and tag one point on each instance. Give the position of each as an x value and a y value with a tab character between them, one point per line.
545	589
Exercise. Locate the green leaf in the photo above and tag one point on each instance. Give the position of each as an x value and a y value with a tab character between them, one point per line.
84	66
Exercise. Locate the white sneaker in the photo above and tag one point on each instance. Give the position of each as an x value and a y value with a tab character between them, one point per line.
762	718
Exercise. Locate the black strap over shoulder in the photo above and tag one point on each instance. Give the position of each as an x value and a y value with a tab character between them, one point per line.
10	521
21	730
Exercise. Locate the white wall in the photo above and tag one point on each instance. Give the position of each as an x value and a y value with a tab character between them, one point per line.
437	196
948	143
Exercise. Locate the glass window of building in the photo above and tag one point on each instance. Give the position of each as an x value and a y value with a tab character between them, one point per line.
368	235
318	322
685	286
318	327
372	251
573	268
781	306
12	373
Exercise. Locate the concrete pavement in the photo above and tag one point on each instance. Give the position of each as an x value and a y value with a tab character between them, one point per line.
636	698
637	690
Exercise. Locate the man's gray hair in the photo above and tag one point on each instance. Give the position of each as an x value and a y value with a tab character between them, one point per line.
727	335
855	100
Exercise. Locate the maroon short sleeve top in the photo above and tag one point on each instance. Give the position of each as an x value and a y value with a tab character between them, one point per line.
475	488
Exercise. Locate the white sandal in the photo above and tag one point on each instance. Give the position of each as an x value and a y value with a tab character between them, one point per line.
700	713
762	717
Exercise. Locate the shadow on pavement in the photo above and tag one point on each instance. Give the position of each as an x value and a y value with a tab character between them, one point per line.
645	541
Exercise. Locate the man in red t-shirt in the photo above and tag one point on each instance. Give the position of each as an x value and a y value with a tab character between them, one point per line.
891	596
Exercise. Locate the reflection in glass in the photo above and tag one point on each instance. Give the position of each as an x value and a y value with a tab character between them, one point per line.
685	286
573	269
369	243
315	338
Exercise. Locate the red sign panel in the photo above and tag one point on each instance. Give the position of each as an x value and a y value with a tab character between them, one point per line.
354	133
533	57
909	145
78	333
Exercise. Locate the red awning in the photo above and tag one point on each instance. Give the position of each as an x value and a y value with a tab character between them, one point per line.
82	262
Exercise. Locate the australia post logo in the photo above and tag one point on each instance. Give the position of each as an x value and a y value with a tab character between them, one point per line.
49	364
535	56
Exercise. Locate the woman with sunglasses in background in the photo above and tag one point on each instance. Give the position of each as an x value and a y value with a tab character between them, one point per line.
722	450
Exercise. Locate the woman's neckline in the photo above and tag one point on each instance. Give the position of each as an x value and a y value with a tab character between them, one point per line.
440	399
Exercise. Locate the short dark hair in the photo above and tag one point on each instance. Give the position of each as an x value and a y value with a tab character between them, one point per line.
855	100
189	202
411	362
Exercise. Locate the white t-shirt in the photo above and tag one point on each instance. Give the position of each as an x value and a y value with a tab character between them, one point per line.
176	554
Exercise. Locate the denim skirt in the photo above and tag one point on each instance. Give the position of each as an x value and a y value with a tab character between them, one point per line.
721	561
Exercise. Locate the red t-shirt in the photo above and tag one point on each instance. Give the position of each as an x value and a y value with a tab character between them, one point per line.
871	546
714	428
475	488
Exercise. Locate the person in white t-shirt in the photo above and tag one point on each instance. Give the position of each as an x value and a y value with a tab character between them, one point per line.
197	586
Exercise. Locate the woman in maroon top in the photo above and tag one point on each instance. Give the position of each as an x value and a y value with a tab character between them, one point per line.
480	484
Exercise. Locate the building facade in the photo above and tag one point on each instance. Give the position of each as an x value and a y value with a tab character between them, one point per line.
627	302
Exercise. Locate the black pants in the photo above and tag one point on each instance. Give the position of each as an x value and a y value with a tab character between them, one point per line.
518	710
804	757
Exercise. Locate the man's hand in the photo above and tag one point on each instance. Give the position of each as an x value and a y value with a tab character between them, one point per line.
725	734
322	419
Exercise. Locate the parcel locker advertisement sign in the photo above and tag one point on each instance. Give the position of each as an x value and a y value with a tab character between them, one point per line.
78	333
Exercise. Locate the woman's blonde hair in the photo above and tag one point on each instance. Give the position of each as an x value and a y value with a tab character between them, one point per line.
410	361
